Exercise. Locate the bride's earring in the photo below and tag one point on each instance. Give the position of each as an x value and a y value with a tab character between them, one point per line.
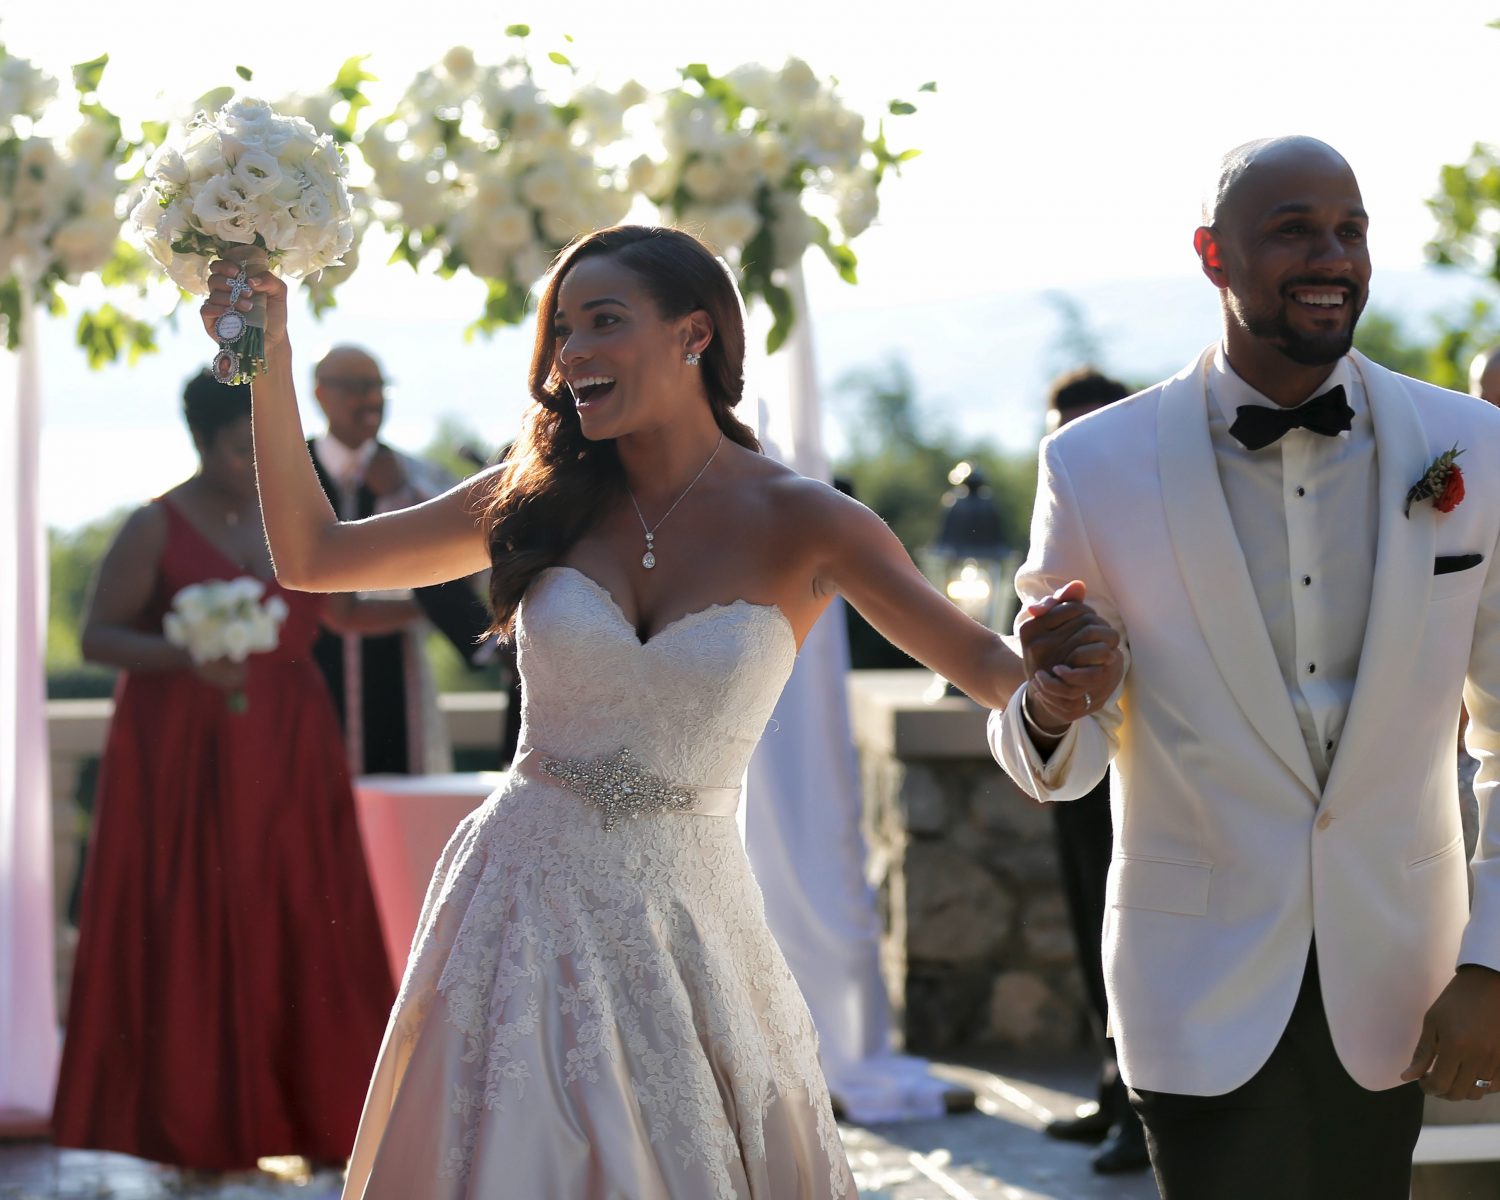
692	358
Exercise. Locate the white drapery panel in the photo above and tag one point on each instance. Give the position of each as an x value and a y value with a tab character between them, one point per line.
28	1001
802	804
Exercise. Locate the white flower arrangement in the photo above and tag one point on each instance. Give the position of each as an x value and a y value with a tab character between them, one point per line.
58	198
764	164
479	169
252	185
336	111
225	618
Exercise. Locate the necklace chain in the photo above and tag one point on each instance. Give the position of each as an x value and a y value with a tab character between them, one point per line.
648	560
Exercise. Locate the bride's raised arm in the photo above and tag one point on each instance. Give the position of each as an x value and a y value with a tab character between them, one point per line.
312	550
851	552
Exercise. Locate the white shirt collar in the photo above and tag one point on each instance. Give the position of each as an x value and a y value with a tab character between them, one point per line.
1229	391
342	463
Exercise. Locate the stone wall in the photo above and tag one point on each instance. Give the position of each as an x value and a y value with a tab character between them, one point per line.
976	950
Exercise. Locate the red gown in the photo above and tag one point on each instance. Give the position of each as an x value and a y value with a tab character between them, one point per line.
231	987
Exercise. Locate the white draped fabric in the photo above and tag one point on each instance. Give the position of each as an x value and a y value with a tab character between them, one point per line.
803	803
28	1002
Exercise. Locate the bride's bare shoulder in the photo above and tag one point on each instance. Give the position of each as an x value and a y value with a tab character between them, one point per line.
813	506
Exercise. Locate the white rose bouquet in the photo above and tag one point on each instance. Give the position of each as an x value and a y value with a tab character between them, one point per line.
252	186
58	198
478	168
765	163
225	618
337	111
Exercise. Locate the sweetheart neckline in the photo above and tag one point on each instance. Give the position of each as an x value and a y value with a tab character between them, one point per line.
614	606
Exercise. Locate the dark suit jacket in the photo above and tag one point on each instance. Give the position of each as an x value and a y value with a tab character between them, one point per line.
453	608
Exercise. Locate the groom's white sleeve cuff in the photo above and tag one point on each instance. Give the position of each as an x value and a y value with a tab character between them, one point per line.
1010	743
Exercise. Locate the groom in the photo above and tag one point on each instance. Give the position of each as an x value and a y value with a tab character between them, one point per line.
1289	950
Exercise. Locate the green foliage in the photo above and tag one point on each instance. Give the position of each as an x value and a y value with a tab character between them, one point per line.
899	459
1442	357
720	91
86	75
518	31
244	73
72	559
844	260
105	331
450	673
10	311
127	266
1466	207
898	464
1382	336
348	85
453	446
885	157
214	99
504	305
1077	343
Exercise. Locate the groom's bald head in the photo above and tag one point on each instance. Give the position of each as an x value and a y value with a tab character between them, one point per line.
1239	167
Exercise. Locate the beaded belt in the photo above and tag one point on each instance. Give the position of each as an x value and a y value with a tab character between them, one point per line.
620	789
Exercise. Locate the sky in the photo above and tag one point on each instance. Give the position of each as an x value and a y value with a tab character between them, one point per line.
1065	149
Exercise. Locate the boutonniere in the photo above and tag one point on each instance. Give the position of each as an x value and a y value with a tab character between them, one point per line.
1442	483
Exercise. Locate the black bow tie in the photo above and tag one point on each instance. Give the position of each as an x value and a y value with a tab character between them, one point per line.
1256	426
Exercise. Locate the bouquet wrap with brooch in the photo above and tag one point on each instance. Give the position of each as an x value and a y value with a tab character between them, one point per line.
254	187
225	618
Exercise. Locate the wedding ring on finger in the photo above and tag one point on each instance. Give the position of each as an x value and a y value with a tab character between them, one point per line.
1484	1084
1088	702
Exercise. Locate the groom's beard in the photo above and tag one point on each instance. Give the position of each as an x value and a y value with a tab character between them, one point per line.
1308	349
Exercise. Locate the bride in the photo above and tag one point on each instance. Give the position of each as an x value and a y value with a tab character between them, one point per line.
594	1007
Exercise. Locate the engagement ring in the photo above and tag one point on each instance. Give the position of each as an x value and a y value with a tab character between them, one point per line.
1484	1083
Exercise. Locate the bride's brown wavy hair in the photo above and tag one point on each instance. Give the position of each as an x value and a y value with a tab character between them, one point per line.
556	482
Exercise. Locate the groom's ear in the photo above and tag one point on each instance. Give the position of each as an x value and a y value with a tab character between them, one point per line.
1206	243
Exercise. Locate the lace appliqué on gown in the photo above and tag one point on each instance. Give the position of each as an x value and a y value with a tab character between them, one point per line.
624	976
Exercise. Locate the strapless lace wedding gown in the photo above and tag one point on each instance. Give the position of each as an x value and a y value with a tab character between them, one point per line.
594	1007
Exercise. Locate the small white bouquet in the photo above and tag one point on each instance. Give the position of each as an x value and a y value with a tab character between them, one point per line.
225	618
255	187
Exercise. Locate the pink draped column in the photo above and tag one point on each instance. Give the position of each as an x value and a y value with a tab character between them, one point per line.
28	1000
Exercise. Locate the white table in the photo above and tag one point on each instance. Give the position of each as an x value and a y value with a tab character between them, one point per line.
405	821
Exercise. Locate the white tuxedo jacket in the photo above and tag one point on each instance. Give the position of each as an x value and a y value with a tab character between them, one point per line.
1229	859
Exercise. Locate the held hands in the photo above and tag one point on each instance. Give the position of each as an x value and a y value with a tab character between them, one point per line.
1072	657
1460	1042
269	285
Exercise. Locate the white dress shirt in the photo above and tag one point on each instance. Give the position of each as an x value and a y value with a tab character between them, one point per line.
346	466
1304	511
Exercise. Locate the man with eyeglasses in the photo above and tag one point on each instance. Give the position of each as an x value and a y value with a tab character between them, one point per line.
394	728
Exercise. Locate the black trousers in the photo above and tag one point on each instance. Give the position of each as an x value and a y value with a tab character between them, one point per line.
1300	1129
1085	843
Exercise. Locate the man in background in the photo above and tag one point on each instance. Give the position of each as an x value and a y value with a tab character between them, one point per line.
392	725
1085	842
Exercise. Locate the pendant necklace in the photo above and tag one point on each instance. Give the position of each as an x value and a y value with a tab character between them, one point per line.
648	559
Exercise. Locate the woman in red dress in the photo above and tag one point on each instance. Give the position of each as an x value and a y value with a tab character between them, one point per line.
231	985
